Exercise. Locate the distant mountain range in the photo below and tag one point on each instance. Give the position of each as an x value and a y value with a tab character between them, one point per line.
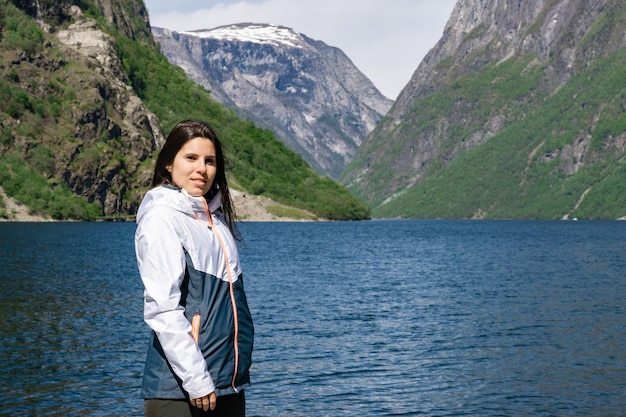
308	93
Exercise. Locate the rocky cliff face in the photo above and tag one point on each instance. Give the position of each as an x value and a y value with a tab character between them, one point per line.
128	122
546	43
480	33
124	15
308	93
100	132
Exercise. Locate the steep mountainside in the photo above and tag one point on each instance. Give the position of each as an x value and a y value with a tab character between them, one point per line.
69	118
517	112
85	95
308	93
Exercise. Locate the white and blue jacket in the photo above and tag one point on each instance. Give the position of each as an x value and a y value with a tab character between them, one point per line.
194	299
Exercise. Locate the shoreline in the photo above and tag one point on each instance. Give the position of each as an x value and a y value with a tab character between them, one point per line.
249	208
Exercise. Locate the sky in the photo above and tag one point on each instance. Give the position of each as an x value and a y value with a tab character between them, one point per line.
385	39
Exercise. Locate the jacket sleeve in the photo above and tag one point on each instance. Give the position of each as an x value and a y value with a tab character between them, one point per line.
161	262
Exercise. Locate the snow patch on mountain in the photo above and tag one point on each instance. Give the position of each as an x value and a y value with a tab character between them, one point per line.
255	33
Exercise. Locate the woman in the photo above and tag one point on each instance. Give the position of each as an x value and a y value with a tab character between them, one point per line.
194	300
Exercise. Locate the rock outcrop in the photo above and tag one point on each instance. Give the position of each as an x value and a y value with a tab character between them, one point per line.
102	131
130	126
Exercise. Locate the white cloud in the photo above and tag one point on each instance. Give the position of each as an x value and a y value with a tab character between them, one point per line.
386	40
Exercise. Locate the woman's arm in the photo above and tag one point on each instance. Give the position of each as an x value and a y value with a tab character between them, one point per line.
161	261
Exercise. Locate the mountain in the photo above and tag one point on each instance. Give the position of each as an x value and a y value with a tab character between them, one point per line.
308	93
70	123
85	96
517	112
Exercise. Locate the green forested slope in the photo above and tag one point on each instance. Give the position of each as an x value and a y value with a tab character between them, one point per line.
524	172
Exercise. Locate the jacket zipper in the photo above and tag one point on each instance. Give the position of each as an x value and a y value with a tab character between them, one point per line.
232	295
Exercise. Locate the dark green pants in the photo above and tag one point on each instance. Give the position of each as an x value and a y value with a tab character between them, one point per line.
227	406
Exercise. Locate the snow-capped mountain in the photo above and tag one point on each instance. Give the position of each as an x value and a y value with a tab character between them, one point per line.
308	93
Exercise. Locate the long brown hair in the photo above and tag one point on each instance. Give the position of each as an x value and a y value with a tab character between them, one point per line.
180	134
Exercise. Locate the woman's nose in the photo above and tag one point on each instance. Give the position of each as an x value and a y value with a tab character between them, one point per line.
200	166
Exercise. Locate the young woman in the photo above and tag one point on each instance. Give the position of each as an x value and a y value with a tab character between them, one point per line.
194	300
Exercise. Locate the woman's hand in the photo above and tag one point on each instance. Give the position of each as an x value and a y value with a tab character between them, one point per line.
208	402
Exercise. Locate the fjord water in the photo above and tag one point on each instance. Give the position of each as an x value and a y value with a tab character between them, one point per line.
379	318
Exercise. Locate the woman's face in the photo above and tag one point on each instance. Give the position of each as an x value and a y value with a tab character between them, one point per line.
194	166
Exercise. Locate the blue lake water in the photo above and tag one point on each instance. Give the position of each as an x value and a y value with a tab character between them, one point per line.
380	318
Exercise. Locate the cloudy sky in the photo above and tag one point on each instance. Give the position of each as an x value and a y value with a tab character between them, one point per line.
386	39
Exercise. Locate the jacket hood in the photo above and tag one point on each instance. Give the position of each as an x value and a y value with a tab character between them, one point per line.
175	198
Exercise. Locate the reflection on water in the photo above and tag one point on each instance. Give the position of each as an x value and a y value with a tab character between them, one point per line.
362	318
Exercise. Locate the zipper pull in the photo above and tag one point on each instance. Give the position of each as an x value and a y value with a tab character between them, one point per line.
195	327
